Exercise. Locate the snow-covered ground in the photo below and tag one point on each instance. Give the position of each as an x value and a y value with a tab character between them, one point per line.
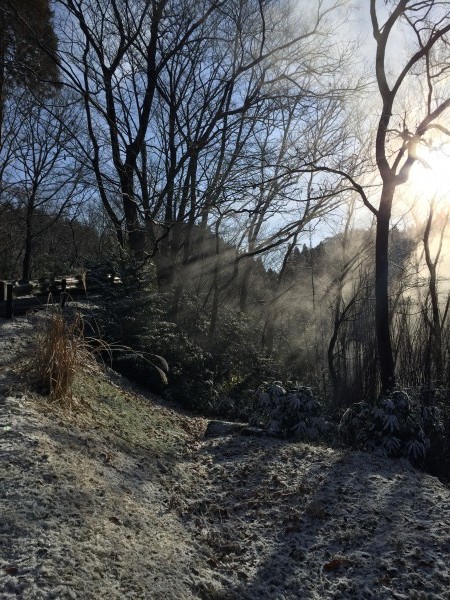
297	521
85	515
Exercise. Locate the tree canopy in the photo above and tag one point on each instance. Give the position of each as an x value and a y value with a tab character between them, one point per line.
28	46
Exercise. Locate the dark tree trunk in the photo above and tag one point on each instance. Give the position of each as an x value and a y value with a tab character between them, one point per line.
190	194
245	285
436	325
165	257
335	376
268	334
385	353
135	230
26	263
215	306
2	84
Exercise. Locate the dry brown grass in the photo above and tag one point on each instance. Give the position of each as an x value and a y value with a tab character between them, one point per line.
61	350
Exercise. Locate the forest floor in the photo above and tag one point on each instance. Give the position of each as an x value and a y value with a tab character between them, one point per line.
118	495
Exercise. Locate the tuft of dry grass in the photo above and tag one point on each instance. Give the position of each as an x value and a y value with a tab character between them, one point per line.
61	350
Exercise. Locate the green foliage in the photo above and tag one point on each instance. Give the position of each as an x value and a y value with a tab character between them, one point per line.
209	376
435	414
393	425
134	317
29	44
293	413
130	314
236	342
233	359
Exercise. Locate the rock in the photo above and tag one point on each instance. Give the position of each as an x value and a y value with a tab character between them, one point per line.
222	428
259	432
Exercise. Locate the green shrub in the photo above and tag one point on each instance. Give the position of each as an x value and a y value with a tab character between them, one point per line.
293	413
130	313
393	425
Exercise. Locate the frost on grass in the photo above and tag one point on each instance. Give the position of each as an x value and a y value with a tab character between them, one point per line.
299	521
123	499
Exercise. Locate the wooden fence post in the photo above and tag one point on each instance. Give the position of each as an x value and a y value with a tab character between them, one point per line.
63	298
9	301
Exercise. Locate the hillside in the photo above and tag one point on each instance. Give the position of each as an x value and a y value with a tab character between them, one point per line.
120	496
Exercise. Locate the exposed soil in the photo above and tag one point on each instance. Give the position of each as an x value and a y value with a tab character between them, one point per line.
120	496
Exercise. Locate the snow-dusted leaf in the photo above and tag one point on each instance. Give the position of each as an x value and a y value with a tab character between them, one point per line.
390	423
401	399
391	444
430	413
389	404
161	374
273	426
294	401
415	449
320	424
264	398
277	390
300	429
312	405
347	417
378	413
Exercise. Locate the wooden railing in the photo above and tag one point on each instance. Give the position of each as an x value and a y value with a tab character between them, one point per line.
17	297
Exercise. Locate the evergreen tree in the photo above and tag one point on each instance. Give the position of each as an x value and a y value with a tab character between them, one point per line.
28	46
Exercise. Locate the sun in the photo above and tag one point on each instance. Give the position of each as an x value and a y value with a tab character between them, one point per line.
430	175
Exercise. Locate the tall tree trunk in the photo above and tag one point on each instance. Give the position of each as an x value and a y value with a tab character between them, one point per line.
135	230
2	84
215	304
188	228
436	324
268	334
246	274
335	376
165	256
384	344
26	262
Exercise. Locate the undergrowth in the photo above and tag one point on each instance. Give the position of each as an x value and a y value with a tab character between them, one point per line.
396	424
292	413
61	350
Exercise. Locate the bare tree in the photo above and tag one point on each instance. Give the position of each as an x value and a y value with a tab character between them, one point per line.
46	177
195	66
398	148
437	321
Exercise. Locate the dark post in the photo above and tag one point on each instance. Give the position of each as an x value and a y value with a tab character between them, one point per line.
63	298
9	301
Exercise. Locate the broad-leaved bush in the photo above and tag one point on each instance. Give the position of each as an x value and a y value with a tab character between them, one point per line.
290	413
393	425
